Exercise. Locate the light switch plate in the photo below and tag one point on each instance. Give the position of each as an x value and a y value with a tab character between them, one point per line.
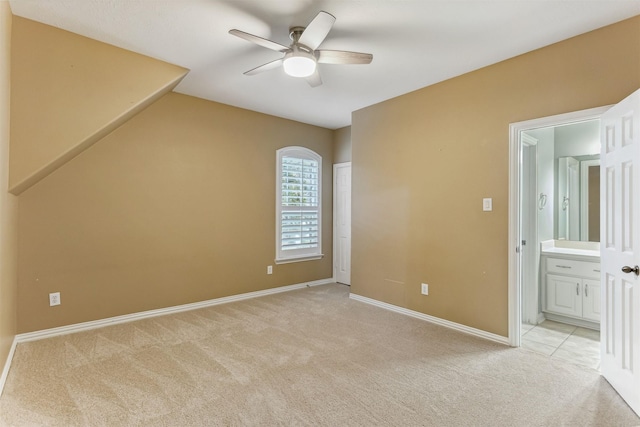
487	204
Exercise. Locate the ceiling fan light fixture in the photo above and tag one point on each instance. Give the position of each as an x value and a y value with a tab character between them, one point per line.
302	57
299	64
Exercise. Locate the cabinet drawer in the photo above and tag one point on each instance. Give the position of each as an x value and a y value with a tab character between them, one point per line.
573	267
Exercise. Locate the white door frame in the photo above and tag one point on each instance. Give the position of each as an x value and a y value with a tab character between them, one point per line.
337	166
529	267
515	171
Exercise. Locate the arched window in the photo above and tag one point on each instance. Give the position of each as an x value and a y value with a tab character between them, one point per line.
298	205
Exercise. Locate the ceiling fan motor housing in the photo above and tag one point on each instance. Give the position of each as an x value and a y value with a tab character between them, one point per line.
295	33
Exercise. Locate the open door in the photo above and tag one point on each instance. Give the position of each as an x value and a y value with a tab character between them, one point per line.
620	248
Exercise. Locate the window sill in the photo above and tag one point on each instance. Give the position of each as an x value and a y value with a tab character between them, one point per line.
299	259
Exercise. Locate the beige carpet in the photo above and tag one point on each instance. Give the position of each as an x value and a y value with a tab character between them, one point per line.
309	357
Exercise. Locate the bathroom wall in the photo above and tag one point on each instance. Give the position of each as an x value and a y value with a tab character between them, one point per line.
576	140
554	142
579	139
546	148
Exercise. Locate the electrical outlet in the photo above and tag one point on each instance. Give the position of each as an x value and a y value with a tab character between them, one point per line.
54	298
425	289
269	269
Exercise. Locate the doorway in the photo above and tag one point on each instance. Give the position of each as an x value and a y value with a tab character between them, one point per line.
536	216
618	272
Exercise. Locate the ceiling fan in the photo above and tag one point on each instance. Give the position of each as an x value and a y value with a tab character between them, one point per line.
302	56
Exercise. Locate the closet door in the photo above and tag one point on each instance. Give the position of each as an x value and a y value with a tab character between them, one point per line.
342	223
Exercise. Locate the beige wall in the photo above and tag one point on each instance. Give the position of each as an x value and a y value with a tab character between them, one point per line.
423	162
68	92
342	145
8	202
175	206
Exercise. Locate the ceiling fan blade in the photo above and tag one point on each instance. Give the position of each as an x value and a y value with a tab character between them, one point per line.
260	41
317	30
264	67
343	57
314	79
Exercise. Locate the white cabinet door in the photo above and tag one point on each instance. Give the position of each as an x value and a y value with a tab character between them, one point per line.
591	300
564	295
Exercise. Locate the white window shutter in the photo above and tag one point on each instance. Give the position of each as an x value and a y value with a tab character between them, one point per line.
298	204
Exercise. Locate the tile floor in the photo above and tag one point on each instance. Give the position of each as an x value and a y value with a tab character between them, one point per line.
567	342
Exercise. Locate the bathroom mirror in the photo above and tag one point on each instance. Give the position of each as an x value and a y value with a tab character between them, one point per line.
578	198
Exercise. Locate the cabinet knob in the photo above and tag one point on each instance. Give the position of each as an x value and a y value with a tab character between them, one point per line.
627	269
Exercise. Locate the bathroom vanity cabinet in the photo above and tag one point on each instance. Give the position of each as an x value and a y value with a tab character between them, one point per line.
571	288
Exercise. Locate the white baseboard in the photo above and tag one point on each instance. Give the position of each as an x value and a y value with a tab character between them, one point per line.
431	319
7	365
85	326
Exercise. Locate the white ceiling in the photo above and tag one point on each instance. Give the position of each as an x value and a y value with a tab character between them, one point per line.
415	43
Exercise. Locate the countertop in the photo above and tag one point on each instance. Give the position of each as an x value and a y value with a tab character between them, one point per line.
560	248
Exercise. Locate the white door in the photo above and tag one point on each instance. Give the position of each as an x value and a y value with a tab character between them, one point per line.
620	240
342	223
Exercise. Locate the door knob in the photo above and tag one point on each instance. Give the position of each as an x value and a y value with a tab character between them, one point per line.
627	269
